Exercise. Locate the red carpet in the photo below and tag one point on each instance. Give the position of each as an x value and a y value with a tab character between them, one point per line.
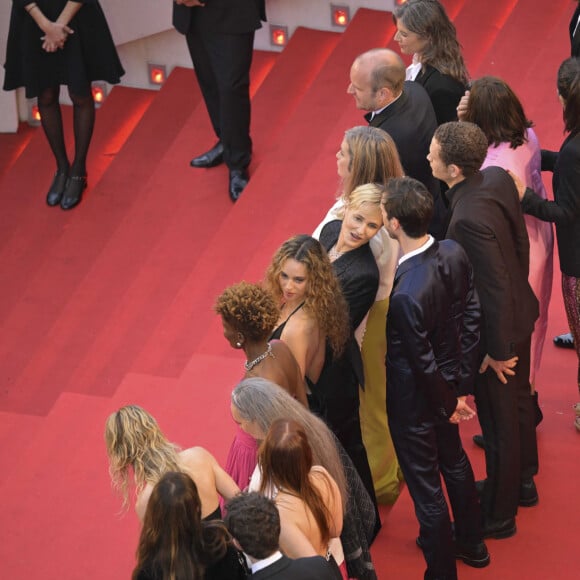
111	303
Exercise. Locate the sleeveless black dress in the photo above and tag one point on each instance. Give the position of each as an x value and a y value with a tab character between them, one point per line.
313	402
88	55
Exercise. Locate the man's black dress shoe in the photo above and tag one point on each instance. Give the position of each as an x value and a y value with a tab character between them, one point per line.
74	191
210	158
238	180
499	529
475	556
479	441
56	190
528	493
565	340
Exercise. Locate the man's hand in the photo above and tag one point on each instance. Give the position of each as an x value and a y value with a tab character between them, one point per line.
463	412
501	367
463	106
520	185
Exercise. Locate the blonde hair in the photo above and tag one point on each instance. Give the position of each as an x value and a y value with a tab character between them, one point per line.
134	440
369	194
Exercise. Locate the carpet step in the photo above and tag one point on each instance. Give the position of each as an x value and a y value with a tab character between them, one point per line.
193	409
16	434
478	25
90	244
12	145
66	506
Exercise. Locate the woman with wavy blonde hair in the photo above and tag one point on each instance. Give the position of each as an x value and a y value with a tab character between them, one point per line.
136	443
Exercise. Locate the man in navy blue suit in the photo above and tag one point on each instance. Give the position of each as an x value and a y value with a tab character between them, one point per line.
432	359
220	39
254	522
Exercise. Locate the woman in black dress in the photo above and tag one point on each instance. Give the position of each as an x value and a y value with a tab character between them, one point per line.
425	31
60	42
177	544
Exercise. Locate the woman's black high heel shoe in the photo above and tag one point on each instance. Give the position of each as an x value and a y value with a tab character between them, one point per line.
57	188
73	192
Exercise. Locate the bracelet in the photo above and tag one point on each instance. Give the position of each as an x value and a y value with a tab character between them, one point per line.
31	7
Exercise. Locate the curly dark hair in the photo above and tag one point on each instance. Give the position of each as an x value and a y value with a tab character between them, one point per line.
249	309
324	299
463	144
254	521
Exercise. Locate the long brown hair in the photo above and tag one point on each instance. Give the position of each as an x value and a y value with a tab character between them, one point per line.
285	459
428	19
324	299
175	544
498	112
373	158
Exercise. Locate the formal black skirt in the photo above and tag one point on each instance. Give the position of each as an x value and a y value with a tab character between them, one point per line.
88	55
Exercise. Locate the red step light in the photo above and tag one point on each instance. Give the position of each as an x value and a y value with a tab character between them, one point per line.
340	15
278	35
98	95
157	74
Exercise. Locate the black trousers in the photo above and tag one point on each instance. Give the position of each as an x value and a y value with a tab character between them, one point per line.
507	417
425	453
222	65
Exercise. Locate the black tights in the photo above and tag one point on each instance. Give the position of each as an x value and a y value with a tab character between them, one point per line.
83	123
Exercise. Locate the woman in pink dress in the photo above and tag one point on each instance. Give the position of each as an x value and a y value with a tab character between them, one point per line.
514	146
249	315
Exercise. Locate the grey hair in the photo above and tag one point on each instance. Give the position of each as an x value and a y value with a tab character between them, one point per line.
262	402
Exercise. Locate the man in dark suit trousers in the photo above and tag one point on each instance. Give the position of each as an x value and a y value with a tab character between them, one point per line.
404	110
254	523
486	219
220	38
432	358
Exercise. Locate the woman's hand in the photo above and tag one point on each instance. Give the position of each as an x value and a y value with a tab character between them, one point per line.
55	35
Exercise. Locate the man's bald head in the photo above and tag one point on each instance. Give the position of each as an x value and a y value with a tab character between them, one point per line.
385	69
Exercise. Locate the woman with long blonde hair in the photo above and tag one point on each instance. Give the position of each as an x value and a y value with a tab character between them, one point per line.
136	445
369	155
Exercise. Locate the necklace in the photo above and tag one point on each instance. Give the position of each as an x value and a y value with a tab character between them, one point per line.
334	254
249	365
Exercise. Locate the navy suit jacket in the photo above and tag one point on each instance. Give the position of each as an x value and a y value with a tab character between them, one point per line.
432	336
314	568
487	220
221	16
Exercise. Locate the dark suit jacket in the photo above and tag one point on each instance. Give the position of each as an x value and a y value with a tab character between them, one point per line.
411	122
487	220
444	91
358	274
564	211
432	335
575	38
221	16
314	568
